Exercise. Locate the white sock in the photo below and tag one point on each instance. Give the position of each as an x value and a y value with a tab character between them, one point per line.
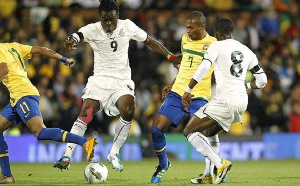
215	144
201	143
79	128
121	133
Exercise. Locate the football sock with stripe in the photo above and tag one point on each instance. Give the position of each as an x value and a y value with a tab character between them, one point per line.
4	159
201	144
159	145
121	133
215	144
78	128
59	135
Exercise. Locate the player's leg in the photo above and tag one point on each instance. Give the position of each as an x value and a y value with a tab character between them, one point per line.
36	126
125	105
6	175
89	108
160	122
215	144
28	110
91	105
171	112
208	176
202	145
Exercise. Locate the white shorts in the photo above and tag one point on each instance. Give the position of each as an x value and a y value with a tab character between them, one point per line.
107	90
225	109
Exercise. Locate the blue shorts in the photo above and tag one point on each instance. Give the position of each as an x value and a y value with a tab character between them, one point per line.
173	108
26	108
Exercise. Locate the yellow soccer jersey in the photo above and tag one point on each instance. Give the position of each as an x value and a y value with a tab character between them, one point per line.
16	81
192	55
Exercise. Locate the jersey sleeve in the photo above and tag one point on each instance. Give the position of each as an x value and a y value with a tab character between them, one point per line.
183	40
86	31
212	53
136	32
253	62
24	50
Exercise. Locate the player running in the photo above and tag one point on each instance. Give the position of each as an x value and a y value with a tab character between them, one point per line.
110	88
232	60
24	103
193	46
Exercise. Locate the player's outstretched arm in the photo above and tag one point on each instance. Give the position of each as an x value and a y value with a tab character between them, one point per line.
159	48
3	70
52	54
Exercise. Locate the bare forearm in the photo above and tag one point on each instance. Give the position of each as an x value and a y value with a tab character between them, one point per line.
46	52
156	46
192	83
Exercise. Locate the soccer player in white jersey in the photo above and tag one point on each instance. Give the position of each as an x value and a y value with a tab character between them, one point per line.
110	88
232	59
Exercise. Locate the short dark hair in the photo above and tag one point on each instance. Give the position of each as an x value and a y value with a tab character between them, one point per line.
108	5
224	25
197	16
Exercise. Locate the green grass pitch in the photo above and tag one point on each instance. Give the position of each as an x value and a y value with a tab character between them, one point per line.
285	172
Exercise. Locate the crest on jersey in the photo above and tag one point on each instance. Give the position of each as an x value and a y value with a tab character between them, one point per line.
121	33
205	47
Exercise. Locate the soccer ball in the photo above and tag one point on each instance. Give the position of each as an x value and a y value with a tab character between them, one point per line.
95	173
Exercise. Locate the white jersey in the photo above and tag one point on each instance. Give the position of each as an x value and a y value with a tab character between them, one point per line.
232	59
111	50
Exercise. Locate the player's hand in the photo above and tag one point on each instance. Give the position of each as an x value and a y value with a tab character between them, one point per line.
177	60
70	43
165	91
186	100
70	62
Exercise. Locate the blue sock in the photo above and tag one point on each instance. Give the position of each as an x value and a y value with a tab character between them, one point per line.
159	145
59	135
4	159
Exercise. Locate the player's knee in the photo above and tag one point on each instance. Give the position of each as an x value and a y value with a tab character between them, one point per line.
34	127
87	115
36	131
127	112
159	123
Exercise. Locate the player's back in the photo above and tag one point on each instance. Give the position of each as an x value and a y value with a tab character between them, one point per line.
231	65
16	81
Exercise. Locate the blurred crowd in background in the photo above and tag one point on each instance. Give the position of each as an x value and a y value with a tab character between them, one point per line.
271	28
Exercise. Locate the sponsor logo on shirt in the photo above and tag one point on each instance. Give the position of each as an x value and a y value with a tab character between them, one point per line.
205	47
